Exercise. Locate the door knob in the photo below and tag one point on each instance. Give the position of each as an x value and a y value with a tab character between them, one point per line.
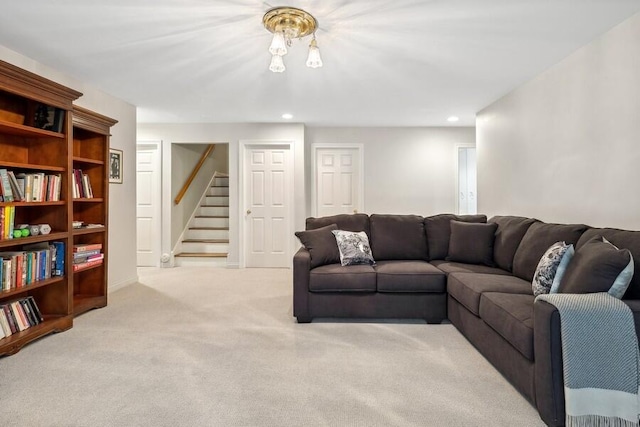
355	211
248	211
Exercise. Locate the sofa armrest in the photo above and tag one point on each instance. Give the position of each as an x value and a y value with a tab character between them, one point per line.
549	382
301	268
549	379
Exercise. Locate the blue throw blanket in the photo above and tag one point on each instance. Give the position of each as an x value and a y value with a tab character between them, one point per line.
600	360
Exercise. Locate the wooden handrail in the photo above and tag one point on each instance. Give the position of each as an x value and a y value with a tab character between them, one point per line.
194	172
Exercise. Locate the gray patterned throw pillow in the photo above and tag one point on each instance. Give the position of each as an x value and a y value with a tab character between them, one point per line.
547	268
354	247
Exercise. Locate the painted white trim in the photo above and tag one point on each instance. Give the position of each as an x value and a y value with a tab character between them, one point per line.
243	146
178	246
122	284
456	160
157	145
314	172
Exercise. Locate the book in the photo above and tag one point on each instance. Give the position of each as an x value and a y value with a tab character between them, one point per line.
35	309
84	254
19	315
5	323
10	318
87	247
58	265
18	195
6	186
85	265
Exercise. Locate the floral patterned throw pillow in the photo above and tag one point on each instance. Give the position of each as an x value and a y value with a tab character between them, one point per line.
354	247
547	268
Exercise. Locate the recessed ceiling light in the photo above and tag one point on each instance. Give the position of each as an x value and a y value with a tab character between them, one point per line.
287	116
453	119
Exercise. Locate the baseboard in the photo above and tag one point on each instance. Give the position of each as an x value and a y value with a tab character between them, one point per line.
233	265
115	286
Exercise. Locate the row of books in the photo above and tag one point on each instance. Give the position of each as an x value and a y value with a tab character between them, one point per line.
36	262
81	185
7	221
86	256
29	187
16	316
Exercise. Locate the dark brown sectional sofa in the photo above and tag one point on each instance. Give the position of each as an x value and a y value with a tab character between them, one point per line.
419	274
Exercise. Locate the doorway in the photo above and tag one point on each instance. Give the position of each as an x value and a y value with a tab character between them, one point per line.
148	203
267	206
466	194
337	179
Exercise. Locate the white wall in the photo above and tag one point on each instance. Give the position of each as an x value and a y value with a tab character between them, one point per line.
122	212
565	147
233	134
184	158
406	170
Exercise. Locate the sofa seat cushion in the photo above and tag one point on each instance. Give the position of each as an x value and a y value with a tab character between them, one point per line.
460	267
467	288
336	278
409	276
511	316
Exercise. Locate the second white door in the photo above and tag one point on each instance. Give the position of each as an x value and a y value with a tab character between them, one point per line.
148	204
338	180
268	198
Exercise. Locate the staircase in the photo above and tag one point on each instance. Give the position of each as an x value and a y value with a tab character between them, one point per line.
206	240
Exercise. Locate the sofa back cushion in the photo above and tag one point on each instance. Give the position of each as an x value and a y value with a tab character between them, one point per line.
438	230
623	239
472	243
348	222
511	230
398	237
538	238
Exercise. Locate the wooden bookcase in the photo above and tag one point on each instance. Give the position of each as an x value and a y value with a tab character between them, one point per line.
42	132
31	145
91	155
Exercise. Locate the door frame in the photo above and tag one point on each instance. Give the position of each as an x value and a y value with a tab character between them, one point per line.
456	156
314	172
156	145
244	146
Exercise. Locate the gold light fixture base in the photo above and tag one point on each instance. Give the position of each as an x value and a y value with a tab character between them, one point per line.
296	22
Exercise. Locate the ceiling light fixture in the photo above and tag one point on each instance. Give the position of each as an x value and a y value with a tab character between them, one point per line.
287	116
286	24
453	119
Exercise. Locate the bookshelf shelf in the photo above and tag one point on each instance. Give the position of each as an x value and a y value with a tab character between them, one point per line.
91	230
30	166
87	161
33	239
91	200
10	128
31	287
34	204
12	344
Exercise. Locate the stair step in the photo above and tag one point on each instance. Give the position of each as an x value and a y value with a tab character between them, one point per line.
205	241
209	228
219	186
200	255
213	216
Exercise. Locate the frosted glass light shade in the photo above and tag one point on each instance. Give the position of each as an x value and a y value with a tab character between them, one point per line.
278	44
277	64
314	60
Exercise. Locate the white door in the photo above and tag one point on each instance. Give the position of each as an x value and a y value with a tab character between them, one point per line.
338	181
268	195
467	181
148	206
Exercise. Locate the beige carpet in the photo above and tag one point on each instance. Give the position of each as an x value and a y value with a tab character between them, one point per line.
216	347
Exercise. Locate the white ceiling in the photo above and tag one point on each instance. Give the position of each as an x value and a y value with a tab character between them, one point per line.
386	63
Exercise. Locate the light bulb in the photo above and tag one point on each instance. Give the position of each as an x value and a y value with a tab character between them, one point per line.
277	64
314	60
278	44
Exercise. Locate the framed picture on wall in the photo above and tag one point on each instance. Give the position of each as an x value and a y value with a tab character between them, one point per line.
115	166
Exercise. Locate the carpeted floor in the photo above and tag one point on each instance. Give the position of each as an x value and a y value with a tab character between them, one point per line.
216	347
